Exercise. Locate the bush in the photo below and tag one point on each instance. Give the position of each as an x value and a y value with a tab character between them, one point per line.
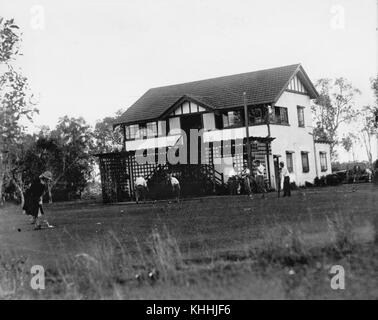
333	180
293	186
92	191
308	184
320	182
328	180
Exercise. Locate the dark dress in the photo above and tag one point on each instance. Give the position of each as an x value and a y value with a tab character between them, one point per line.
286	186
32	198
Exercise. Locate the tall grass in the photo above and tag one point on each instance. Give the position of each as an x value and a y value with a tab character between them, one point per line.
13	275
340	228
102	269
108	270
280	244
165	255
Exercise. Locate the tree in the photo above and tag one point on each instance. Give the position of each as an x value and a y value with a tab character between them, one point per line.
368	130
9	40
73	162
374	87
348	143
334	106
41	155
65	151
107	139
15	103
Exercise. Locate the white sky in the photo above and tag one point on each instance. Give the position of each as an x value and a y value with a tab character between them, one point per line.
92	57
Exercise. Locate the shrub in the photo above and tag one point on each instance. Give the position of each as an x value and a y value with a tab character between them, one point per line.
328	180
320	182
333	180
92	191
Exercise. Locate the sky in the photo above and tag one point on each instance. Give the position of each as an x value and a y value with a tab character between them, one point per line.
91	58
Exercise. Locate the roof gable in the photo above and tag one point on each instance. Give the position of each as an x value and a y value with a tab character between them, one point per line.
264	86
301	83
296	85
185	105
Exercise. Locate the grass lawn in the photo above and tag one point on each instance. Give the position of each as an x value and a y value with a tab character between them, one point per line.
219	247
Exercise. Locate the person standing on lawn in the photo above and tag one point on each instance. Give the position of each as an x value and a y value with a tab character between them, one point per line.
34	200
285	180
175	186
246	177
260	174
141	189
232	182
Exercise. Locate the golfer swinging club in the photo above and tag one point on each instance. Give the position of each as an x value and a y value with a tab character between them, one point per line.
33	199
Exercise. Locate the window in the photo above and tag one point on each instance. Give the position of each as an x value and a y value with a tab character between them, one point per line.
131	131
142	131
323	161
174	125
255	116
301	121
162	128
233	119
280	115
151	129
305	163
208	121
289	162
127	132
218	121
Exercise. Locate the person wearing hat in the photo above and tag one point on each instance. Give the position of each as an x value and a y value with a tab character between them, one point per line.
33	198
285	180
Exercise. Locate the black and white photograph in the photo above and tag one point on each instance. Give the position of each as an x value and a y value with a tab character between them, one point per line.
202	151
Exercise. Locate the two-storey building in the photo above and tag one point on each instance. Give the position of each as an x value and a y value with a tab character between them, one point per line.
276	102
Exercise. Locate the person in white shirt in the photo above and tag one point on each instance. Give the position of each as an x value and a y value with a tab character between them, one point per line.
233	183
246	177
141	189
175	186
285	180
260	173
369	173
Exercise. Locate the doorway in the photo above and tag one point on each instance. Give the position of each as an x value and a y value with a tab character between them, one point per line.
188	122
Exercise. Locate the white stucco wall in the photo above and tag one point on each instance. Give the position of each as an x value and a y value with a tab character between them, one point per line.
295	139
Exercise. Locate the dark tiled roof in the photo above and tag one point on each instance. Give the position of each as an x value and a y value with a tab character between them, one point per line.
264	86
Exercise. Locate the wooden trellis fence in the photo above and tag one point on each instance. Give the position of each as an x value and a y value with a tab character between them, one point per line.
120	169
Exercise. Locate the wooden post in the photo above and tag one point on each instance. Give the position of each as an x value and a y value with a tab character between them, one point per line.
246	122
269	109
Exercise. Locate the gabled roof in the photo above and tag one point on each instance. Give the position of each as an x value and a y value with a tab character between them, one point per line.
264	86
